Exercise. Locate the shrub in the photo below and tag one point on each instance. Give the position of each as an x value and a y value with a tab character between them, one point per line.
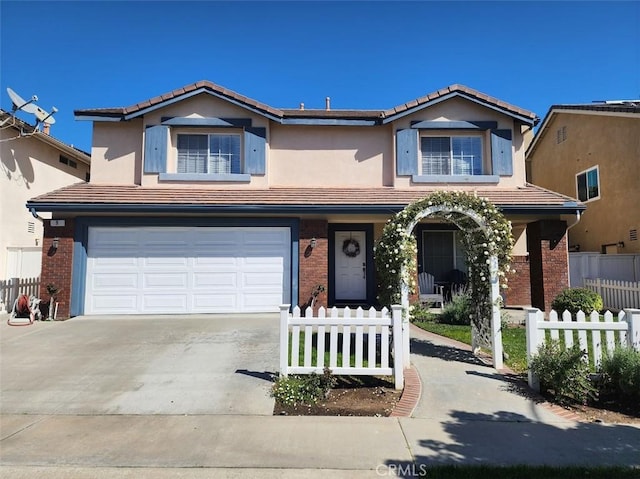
420	313
621	374
563	373
302	388
458	311
577	299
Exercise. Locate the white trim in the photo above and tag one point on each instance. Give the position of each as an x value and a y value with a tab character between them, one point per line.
584	172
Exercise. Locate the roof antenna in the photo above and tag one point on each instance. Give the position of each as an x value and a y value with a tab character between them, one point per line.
28	106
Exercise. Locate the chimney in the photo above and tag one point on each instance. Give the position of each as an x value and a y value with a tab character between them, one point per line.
46	128
301	106
328	103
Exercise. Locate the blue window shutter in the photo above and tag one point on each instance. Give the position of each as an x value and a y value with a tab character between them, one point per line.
155	149
501	157
255	151
407	152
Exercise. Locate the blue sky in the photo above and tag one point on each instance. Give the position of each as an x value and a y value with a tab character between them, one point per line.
369	55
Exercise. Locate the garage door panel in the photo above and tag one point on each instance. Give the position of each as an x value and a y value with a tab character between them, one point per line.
165	280
164	303
186	269
257	302
113	261
114	303
262	238
114	239
228	280
272	281
119	281
221	262
224	303
163	259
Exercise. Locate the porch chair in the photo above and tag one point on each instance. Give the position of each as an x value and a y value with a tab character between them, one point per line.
429	291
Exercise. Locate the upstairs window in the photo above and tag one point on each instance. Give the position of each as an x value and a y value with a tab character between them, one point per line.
451	155
209	154
588	184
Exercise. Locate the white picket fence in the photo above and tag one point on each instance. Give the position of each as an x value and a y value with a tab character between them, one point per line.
10	290
377	331
615	294
626	328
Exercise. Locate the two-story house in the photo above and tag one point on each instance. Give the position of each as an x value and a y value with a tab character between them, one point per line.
592	151
33	162
202	200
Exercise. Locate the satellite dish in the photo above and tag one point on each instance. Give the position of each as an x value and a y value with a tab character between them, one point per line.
30	107
20	104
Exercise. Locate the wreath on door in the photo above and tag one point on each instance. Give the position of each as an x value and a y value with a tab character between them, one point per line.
351	248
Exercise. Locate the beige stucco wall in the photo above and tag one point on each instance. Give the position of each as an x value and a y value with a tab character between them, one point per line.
29	168
324	156
314	156
611	143
116	154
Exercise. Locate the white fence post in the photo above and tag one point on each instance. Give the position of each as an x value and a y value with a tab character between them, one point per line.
632	317
284	339
533	342
398	353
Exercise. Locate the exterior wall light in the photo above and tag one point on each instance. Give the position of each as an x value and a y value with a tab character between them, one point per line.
313	243
56	242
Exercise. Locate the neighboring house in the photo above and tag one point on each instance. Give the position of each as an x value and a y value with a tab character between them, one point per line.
592	152
202	200
33	162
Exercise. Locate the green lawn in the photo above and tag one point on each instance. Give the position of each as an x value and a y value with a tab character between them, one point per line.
514	340
314	351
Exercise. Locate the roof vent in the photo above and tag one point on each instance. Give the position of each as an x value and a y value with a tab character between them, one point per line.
328	103
301	106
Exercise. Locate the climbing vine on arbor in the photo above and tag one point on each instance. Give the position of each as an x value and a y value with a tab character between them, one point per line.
397	248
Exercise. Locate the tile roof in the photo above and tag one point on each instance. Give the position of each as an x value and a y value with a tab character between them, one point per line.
92	195
313	113
457	88
626	106
26	129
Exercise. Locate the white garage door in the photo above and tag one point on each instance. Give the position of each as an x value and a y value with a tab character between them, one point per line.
162	270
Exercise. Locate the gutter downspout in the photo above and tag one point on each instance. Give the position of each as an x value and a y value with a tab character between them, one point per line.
32	210
578	216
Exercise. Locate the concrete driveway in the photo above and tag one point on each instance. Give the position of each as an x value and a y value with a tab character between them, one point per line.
196	364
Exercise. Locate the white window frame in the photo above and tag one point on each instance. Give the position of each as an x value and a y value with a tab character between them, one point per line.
586	173
209	134
440	134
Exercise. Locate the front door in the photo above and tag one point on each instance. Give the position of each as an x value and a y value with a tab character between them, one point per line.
350	266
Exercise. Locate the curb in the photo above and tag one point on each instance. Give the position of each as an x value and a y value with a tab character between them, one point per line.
410	395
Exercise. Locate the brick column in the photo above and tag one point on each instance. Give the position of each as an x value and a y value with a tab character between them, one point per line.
519	291
313	261
549	261
57	264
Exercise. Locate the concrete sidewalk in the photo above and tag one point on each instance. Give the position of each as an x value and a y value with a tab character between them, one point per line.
467	414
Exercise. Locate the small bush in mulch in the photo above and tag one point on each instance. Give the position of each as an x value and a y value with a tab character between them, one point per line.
349	396
563	373
620	375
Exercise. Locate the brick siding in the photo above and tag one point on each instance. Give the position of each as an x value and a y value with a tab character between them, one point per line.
549	261
57	264
519	291
314	263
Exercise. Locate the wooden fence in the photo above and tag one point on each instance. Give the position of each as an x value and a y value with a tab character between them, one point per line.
345	339
10	290
624	331
615	294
